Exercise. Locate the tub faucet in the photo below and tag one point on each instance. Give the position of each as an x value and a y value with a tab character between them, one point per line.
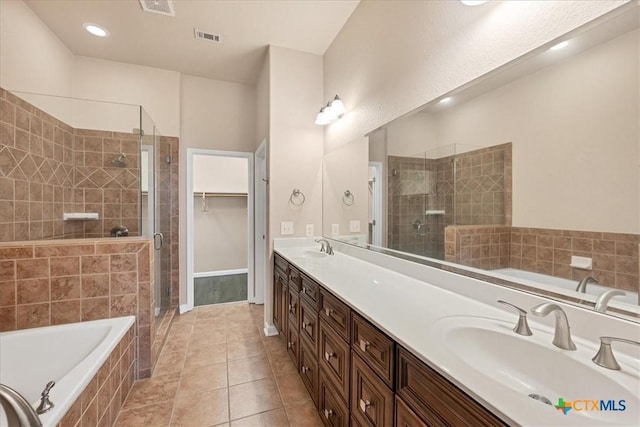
326	246
18	411
45	403
562	335
582	286
603	299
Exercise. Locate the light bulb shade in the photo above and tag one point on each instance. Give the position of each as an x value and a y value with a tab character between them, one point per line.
338	106
322	118
330	112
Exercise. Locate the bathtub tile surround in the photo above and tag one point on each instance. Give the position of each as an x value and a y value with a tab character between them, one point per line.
101	400
547	251
217	368
53	282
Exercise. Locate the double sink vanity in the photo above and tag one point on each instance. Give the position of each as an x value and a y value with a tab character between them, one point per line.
376	347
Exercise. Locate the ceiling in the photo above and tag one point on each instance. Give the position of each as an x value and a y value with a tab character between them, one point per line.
150	39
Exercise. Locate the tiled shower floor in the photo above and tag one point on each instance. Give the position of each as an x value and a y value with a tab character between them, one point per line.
217	368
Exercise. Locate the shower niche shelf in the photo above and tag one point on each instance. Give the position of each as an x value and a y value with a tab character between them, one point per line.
80	216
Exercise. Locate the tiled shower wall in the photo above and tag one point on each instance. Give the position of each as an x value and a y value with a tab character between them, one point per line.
52	282
546	251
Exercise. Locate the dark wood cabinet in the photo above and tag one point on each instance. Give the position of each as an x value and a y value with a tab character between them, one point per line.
434	398
356	374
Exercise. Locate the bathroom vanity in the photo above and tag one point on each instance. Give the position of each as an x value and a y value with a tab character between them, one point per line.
367	343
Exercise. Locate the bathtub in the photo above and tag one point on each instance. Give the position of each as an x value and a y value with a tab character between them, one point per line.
70	354
565	286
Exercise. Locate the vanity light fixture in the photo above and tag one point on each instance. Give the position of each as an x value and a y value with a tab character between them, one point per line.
559	46
473	2
334	110
96	30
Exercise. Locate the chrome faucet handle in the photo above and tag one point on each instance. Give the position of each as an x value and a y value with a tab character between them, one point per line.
603	299
45	404
604	357
322	244
562	335
582	285
522	327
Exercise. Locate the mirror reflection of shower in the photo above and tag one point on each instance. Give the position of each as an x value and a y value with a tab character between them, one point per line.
119	162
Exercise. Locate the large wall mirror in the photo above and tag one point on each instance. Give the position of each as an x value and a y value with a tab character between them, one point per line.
528	176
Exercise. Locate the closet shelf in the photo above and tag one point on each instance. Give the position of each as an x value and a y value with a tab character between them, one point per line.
200	194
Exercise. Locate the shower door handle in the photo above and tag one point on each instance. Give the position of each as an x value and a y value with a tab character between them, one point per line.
157	246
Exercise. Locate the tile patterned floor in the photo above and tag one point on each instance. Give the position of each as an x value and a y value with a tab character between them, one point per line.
217	369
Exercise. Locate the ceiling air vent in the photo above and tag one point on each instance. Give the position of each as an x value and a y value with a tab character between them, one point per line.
203	35
163	7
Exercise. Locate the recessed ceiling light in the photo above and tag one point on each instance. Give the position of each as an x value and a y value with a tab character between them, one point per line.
559	46
473	2
445	100
96	30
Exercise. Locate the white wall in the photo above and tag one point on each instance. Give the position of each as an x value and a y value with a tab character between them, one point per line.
33	59
215	174
383	69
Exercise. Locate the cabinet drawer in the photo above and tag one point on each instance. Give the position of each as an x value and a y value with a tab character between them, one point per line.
309	370
405	417
335	313
374	347
293	307
371	399
434	398
294	278
281	264
310	292
331	408
293	344
333	356
309	326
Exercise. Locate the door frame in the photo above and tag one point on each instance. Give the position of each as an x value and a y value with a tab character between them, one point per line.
260	230
377	203
191	152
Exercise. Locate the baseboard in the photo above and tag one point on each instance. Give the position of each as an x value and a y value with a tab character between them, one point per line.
270	330
184	308
220	273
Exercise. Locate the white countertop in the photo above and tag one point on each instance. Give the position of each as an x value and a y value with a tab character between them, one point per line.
406	309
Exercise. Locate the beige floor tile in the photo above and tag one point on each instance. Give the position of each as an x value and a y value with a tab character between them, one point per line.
206	355
209	312
236	333
273	344
188	317
250	369
177	343
204	409
253	398
203	378
180	329
157	389
170	363
151	415
205	337
281	363
291	388
245	348
303	414
275	418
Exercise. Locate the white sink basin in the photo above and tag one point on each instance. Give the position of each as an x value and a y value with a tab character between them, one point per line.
532	365
313	254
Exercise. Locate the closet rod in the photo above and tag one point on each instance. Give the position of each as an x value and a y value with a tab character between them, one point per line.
196	194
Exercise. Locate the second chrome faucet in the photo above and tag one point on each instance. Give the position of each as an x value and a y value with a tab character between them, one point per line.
562	335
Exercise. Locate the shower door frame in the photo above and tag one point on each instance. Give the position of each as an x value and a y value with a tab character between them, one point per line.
191	152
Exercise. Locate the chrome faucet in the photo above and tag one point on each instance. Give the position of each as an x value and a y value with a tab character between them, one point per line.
582	285
522	327
17	409
603	299
45	404
562	335
326	246
604	357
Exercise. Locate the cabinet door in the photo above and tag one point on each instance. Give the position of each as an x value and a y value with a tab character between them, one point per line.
405	417
331	408
333	356
309	370
293	344
309	325
293	309
371	399
335	313
375	348
279	299
310	292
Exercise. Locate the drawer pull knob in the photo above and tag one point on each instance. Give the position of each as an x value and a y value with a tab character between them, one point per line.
289	344
364	345
290	307
303	290
328	355
328	413
304	369
364	404
328	311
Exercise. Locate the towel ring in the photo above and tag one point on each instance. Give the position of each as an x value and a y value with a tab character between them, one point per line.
297	195
348	198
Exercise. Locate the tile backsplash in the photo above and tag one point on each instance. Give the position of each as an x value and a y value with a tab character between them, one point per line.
54	282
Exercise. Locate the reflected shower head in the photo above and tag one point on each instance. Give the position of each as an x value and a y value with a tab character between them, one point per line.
119	162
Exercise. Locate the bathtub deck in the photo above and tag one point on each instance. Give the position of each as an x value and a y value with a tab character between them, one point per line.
217	368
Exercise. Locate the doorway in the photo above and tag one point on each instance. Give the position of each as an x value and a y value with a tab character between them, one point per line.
220	227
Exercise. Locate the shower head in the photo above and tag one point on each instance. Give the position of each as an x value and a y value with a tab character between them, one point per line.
119	162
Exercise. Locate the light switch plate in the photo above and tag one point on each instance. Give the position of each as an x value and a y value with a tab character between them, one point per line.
286	228
335	229
354	226
309	230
